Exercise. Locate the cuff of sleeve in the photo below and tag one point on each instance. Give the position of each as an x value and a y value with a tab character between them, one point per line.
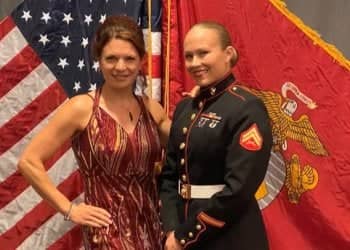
192	231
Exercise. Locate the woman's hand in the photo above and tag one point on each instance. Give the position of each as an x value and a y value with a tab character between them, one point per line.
88	215
193	93
172	243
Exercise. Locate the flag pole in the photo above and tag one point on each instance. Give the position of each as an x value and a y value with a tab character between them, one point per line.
149	38
167	62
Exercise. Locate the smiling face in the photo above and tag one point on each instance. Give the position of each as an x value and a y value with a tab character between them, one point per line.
205	58
120	63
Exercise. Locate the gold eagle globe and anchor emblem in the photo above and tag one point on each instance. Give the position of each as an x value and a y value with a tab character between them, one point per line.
282	171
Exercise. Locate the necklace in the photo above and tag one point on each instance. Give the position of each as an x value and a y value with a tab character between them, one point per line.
131	118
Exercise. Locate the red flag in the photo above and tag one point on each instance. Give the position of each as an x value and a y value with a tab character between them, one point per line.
305	84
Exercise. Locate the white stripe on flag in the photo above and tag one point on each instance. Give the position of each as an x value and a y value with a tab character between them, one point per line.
25	92
10	157
11	45
16	209
49	232
156	89
156	42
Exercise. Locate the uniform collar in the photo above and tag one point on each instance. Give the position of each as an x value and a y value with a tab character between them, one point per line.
216	88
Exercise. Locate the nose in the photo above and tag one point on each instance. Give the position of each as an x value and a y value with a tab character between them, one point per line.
120	65
193	62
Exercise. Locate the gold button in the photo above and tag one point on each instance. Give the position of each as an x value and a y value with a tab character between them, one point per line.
183	192
190	234
182	161
184	130
198	227
183	177
183	242
182	145
212	91
200	105
193	116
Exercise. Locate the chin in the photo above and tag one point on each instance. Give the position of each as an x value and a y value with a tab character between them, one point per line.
203	83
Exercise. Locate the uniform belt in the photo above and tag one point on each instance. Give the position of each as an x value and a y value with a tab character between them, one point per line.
188	191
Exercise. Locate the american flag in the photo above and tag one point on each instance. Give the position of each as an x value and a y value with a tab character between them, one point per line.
45	59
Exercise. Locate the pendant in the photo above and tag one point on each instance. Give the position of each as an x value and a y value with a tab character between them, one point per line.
131	118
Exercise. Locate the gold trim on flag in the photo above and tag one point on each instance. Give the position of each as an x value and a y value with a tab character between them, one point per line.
312	34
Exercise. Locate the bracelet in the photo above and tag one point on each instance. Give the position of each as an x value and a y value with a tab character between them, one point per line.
67	215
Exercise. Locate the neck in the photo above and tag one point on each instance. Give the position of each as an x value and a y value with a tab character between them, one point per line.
117	95
216	82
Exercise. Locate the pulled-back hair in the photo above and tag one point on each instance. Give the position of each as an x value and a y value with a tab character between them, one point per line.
224	36
119	27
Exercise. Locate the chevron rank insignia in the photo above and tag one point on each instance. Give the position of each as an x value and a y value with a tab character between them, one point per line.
251	138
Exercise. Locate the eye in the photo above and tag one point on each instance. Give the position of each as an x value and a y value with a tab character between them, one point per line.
130	58
202	53
188	57
111	59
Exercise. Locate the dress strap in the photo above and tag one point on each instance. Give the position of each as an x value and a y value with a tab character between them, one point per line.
97	99
144	108
142	104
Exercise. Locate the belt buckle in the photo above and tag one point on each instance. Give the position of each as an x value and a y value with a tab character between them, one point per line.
185	191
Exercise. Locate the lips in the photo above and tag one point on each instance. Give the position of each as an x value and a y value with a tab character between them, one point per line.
199	73
120	76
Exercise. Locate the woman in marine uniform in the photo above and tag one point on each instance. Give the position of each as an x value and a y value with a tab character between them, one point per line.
217	155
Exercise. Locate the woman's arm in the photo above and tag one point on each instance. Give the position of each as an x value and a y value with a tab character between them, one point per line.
161	118
71	118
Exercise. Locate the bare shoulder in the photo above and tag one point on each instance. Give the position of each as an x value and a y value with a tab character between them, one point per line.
155	108
79	107
82	102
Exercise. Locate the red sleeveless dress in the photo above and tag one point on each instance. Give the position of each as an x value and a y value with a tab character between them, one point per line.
119	176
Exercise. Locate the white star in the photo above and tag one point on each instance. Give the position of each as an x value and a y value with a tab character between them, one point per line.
88	19
102	18
90	1
81	64
26	15
84	42
92	87
63	62
65	40
76	86
46	17
125	1
43	39
67	18
96	66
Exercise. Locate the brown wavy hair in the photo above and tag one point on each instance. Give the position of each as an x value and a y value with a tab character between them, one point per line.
119	27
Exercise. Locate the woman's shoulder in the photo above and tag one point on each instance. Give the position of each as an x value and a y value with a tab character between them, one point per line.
82	102
154	108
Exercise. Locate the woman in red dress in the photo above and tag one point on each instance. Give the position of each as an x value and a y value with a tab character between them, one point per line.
116	138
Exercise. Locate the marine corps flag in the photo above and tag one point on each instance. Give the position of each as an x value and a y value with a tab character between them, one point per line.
305	85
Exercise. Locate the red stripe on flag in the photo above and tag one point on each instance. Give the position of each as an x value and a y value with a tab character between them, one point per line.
69	240
28	118
17	69
6	26
16	184
157	66
39	214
